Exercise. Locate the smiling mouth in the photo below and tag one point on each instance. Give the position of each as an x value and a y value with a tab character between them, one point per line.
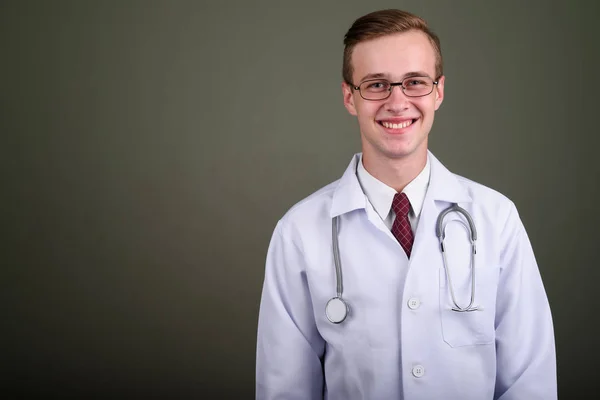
399	125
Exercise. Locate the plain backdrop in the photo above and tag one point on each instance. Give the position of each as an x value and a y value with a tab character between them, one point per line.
148	149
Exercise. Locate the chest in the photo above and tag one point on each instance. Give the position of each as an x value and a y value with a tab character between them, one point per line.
382	287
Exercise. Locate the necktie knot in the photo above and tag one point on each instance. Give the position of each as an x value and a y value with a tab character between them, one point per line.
401	205
401	228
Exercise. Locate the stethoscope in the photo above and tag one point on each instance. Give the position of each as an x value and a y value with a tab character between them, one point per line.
337	308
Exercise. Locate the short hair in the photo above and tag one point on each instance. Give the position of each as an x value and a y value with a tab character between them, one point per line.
383	23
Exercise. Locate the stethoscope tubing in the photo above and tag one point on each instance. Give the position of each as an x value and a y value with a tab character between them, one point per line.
337	308
441	234
336	256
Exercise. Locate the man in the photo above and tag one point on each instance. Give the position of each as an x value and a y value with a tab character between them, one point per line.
412	319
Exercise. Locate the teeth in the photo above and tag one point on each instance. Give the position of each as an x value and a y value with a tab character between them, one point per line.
397	126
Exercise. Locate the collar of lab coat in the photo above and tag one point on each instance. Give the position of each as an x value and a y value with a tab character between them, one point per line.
443	186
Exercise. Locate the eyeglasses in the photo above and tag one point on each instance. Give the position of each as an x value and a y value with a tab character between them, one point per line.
380	89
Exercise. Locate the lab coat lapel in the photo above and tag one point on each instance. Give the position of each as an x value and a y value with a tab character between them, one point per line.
348	195
444	189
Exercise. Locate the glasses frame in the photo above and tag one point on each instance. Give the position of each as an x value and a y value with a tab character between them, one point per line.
392	84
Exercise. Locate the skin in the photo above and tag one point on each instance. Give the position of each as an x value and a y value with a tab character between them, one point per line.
394	156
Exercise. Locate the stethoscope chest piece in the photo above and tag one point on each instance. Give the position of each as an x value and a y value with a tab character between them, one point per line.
336	310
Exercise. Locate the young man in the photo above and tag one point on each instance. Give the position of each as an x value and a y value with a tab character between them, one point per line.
361	300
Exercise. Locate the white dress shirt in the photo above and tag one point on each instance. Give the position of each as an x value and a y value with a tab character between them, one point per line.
381	195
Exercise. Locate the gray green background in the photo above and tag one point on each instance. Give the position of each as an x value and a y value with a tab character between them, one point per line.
149	147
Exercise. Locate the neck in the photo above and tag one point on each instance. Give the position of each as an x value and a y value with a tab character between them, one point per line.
397	172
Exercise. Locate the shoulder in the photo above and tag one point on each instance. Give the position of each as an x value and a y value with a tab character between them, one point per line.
310	217
482	193
455	187
310	210
490	203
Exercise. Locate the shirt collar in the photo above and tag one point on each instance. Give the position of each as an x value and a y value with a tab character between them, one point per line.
381	195
443	186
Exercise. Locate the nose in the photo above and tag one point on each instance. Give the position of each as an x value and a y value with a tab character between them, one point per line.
397	101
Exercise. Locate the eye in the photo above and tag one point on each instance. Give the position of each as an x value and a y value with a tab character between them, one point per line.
375	86
414	82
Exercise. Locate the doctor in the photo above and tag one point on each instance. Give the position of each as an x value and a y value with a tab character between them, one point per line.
409	321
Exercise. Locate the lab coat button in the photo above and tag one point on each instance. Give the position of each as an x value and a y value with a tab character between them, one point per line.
418	371
414	303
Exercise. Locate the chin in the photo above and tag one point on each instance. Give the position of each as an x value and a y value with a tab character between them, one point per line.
406	152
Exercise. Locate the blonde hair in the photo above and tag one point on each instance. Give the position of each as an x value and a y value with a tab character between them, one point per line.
383	23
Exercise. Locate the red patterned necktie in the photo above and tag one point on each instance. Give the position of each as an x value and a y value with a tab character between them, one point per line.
401	228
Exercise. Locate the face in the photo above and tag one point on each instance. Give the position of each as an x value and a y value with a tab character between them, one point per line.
397	127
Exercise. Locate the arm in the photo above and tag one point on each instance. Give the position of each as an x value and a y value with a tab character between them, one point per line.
289	347
526	356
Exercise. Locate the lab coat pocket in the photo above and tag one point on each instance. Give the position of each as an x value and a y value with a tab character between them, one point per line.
469	328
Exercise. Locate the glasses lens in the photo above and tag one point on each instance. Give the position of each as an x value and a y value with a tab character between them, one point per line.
417	86
375	89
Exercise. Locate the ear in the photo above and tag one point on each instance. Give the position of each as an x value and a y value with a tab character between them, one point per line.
348	94
439	92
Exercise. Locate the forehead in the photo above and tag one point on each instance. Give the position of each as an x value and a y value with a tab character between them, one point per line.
394	56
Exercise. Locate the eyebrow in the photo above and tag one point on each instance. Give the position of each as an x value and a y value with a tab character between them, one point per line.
387	76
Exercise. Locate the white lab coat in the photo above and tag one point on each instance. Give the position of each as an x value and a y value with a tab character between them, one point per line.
401	340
